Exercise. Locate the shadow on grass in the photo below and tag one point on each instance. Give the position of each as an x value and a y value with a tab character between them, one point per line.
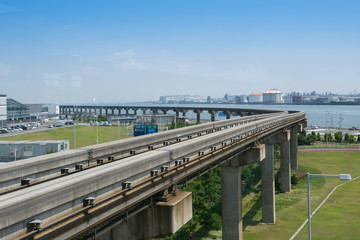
248	217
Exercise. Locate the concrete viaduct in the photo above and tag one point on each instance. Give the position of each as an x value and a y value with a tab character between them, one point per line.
128	189
87	110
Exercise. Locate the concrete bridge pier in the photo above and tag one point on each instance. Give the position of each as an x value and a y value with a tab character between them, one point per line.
231	191
161	218
268	186
285	166
212	113
294	146
228	114
284	139
197	116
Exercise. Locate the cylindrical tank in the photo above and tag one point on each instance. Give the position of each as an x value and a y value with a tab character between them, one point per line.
255	98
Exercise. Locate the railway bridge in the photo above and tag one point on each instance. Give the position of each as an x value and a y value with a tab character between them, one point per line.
105	110
130	189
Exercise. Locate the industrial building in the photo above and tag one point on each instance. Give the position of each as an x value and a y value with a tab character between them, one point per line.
17	150
272	96
159	119
182	99
255	98
123	119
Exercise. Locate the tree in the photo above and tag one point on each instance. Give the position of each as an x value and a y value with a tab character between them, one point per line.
311	138
318	137
302	138
351	139
338	136
330	137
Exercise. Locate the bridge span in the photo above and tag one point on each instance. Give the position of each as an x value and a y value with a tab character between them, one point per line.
91	110
128	189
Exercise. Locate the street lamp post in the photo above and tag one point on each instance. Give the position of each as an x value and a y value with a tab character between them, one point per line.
97	130
340	123
327	130
74	136
340	176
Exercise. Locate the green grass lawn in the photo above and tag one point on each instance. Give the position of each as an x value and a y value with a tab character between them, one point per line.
85	135
330	222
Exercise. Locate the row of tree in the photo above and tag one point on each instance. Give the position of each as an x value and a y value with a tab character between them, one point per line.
337	137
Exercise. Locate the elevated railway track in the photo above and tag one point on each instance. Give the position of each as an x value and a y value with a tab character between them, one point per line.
26	173
83	203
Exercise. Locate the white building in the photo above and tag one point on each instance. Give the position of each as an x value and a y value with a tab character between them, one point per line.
255	98
17	150
3	110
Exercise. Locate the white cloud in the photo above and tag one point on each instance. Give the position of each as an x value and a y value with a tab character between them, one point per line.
92	70
53	76
131	64
125	61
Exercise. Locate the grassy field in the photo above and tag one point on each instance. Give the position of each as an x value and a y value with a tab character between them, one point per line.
332	221
85	135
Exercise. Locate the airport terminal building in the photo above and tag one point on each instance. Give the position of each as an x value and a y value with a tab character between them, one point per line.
12	111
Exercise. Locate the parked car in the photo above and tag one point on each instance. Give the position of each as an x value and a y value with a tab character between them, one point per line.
24	127
50	126
58	124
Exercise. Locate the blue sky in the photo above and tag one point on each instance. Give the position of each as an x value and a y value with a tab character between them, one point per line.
125	51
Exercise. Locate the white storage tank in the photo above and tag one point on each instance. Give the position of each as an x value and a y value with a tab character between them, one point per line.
272	96
255	98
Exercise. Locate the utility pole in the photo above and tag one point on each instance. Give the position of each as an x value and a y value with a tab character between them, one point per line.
340	122
118	123
74	136
327	129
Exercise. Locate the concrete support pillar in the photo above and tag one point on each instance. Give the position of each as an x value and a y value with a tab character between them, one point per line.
285	166
268	186
127	111
197	117
212	118
294	148
231	203
177	115
184	115
113	111
228	115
